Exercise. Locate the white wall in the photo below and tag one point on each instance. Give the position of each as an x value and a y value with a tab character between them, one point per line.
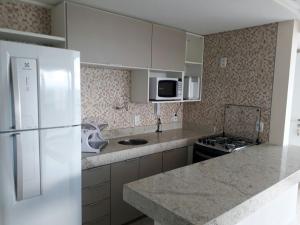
294	139
286	51
282	210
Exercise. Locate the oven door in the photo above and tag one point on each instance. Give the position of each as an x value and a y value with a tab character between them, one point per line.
202	153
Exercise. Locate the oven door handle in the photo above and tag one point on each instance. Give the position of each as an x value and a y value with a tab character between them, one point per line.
202	155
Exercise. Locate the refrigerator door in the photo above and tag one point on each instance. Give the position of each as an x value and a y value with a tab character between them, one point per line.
15	104
59	87
60	201
27	165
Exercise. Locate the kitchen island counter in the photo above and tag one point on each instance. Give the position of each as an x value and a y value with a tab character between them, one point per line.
220	191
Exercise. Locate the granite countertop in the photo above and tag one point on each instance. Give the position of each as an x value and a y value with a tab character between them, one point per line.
157	142
220	191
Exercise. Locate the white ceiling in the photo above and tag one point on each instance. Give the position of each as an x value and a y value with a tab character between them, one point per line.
198	16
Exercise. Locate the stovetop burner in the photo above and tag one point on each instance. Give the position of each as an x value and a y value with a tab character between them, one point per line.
225	143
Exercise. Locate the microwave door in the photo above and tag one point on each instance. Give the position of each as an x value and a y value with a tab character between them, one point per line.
167	89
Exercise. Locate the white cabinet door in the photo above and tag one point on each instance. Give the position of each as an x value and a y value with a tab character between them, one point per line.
107	38
194	48
168	48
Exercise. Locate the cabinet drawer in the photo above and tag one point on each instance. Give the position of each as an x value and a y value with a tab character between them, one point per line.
95	193
95	211
102	221
98	175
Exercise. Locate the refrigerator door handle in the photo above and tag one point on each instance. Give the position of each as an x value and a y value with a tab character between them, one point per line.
19	167
25	93
16	100
27	165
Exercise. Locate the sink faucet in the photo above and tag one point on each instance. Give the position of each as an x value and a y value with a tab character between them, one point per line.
158	123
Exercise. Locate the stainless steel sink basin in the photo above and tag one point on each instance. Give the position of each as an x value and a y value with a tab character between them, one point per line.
133	142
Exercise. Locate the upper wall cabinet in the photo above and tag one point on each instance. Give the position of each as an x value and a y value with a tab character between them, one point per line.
107	38
168	48
194	48
193	67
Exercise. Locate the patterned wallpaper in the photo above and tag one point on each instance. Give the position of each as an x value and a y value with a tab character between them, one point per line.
25	17
103	89
247	79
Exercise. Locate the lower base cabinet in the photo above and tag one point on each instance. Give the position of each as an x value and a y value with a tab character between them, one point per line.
175	158
150	165
102	193
96	196
123	173
93	213
102	221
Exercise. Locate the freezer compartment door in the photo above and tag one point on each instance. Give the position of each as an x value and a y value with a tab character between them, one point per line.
25	93
60	201
59	88
27	165
20	166
61	169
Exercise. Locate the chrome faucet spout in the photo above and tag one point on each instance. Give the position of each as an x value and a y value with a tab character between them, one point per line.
159	129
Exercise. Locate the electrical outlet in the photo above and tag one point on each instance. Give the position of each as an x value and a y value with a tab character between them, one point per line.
137	120
223	62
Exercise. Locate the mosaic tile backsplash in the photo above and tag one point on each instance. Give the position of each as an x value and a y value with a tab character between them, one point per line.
242	121
247	79
102	90
25	17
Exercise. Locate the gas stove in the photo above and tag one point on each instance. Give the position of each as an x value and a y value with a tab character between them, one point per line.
225	143
240	130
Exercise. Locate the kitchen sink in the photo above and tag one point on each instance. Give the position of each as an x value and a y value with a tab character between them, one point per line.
133	142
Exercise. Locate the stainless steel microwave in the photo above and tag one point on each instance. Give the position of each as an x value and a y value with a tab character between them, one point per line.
164	89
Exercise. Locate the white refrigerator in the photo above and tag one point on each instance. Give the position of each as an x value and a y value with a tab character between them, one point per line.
40	156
